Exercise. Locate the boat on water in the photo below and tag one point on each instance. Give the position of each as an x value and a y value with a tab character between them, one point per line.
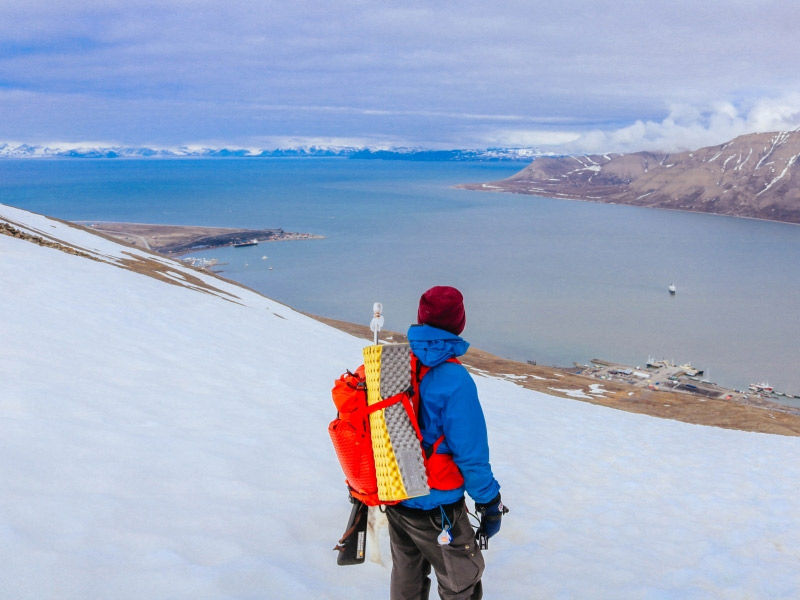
760	387
686	368
652	363
672	289
692	371
253	242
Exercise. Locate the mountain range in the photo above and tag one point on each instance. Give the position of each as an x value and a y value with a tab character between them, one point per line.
755	175
92	150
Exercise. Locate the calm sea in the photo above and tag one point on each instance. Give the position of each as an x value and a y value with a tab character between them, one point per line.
550	280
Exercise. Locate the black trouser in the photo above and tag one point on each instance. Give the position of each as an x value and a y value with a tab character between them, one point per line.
415	548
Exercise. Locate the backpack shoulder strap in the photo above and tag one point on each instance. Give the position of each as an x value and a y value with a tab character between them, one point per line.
418	371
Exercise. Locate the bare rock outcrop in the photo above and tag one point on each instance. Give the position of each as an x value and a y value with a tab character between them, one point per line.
755	175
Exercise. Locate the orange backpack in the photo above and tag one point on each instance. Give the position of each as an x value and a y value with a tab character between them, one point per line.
350	435
352	441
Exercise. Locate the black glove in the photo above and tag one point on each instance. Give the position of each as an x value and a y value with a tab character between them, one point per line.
491	515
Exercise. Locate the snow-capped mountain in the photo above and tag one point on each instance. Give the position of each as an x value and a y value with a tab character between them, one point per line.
99	150
163	435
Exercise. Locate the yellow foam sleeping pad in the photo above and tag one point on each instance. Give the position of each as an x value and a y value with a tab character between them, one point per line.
399	466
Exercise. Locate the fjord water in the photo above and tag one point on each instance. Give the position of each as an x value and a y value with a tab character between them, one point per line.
545	279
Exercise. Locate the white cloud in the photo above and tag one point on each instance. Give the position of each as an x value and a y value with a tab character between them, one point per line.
272	142
80	145
140	70
688	127
530	137
781	113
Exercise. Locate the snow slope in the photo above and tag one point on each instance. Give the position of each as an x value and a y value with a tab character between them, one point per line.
163	441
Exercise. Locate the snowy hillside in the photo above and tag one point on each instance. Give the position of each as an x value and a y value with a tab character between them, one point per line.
163	434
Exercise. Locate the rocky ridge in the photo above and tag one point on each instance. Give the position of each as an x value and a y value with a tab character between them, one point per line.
754	175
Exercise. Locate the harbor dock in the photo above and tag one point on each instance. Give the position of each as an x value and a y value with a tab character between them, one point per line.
665	376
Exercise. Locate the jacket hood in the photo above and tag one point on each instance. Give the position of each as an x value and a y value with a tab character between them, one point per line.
434	346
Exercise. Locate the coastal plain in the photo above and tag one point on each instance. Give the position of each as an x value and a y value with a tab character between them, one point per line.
174	240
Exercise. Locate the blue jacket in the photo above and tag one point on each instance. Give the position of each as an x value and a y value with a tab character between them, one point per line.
449	405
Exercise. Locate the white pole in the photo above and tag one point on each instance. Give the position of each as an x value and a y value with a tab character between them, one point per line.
377	320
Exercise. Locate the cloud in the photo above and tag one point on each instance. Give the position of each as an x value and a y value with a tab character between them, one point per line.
274	142
445	74
689	127
525	138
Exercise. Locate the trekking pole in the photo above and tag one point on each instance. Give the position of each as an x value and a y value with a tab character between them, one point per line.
377	320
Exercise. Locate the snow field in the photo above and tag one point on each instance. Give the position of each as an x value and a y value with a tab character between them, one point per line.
160	442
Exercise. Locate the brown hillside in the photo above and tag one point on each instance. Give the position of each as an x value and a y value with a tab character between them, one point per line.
755	175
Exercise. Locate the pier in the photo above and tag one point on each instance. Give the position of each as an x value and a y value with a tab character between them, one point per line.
665	376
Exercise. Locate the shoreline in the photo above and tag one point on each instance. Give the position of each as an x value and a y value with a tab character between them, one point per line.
493	187
766	417
177	240
756	415
762	417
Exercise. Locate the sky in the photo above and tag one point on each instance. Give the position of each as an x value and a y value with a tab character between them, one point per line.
576	75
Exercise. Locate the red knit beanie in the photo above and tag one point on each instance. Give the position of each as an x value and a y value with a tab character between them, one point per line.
443	307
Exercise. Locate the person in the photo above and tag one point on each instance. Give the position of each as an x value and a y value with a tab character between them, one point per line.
434	530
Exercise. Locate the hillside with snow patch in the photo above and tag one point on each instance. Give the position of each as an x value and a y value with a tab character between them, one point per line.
755	175
163	435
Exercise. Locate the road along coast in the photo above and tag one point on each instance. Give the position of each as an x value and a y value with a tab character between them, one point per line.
175	240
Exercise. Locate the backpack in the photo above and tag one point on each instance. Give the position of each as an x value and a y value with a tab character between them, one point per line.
352	441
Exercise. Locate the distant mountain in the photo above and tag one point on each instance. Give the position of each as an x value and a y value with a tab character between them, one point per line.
16	150
420	154
11	150
755	175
